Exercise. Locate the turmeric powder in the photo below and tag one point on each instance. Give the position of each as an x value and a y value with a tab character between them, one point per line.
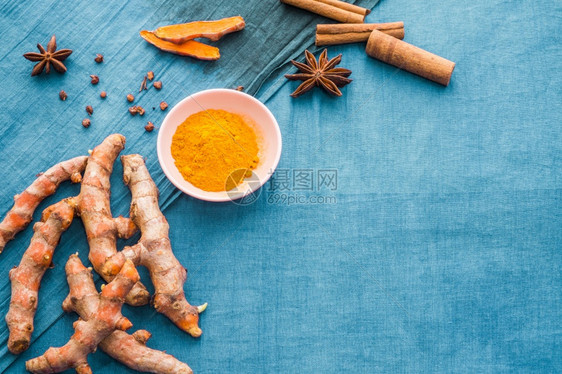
211	147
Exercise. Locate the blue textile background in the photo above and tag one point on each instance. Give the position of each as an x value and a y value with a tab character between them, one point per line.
439	250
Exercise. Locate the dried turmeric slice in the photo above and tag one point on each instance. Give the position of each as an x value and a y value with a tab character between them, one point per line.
213	30
190	48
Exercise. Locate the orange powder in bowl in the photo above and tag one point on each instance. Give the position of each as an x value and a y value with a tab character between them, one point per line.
215	150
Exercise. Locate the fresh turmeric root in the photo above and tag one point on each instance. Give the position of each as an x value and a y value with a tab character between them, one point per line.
104	319
132	352
127	349
94	208
101	313
26	278
212	30
45	185
154	250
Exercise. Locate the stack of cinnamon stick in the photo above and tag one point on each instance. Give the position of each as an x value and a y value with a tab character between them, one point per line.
352	29
383	39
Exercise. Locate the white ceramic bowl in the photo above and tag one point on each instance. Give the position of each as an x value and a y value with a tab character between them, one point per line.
252	110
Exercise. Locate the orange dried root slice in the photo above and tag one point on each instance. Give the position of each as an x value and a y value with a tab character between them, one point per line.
213	30
190	48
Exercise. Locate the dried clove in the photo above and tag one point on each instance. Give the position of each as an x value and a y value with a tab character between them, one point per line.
99	58
143	84
149	126
157	85
63	95
130	98
163	105
86	122
95	79
89	110
103	94
150	75
240	88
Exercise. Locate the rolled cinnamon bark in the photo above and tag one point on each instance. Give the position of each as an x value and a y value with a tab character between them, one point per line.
343	33
347	6
410	58
334	9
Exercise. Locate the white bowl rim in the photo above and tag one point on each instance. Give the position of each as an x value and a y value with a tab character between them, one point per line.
209	196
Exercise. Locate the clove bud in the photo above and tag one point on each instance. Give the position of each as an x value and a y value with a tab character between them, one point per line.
99	58
163	105
143	84
63	95
157	85
86	122
89	110
95	79
149	127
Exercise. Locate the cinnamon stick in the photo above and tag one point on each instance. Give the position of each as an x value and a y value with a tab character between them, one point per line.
409	57
343	33
347	6
334	9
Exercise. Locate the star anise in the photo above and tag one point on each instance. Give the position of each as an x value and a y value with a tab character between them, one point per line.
321	73
48	57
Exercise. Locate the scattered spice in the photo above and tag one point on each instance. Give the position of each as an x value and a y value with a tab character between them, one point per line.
150	75
130	98
321	73
163	105
157	85
63	95
99	58
136	109
143	84
240	88
103	94
95	79
48	57
211	157
89	109
86	122
149	126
